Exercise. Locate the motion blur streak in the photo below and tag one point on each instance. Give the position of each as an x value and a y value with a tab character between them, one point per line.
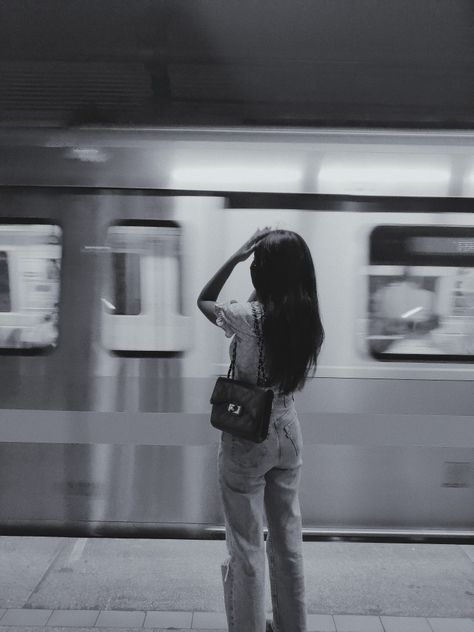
108	366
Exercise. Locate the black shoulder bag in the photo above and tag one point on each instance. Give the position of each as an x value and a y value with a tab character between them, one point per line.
239	408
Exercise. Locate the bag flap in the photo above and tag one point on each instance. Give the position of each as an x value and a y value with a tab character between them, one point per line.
233	391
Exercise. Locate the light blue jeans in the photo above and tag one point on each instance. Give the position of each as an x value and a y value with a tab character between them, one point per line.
258	478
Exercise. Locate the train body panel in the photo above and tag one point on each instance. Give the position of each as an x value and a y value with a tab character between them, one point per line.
104	419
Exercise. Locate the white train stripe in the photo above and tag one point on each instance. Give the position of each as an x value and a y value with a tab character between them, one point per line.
194	430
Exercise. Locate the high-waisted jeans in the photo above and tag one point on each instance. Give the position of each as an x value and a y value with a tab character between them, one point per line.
255	478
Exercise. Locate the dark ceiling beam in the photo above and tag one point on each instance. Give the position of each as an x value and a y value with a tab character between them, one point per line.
170	60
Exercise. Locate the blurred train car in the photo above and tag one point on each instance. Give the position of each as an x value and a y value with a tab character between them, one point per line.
107	237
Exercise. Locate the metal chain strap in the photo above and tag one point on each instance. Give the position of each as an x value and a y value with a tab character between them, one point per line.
261	376
231	371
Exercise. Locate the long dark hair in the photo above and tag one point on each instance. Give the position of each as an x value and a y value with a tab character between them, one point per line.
283	276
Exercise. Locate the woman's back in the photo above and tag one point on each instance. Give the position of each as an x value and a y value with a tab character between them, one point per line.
237	319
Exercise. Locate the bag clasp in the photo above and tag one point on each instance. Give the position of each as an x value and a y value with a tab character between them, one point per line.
235	409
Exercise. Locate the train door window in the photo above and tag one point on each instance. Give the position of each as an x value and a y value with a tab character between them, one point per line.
30	263
421	293
126	283
5	303
142	309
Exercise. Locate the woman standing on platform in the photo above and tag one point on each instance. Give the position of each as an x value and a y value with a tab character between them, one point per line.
263	478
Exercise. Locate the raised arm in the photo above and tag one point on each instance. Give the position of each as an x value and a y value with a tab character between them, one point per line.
208	296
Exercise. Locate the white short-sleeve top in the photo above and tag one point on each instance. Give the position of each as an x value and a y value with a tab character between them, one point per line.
236	319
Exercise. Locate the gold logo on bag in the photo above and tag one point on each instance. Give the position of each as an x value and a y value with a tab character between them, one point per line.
234	409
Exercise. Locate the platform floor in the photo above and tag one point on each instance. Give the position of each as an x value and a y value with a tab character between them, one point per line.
131	584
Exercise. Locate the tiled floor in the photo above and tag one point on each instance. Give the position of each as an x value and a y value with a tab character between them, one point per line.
357	623
405	624
451	625
43	620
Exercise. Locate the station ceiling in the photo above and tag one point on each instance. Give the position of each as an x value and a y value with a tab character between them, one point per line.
395	63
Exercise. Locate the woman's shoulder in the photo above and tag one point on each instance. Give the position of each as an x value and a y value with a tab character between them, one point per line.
238	316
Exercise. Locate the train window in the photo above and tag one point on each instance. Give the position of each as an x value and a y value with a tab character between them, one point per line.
5	303
126	282
142	313
421	293
30	262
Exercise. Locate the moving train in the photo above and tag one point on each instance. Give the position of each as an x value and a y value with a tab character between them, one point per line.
106	238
